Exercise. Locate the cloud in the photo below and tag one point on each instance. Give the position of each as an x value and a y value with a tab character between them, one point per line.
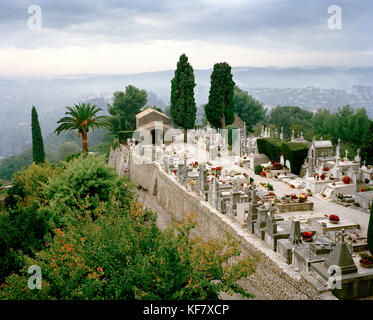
282	27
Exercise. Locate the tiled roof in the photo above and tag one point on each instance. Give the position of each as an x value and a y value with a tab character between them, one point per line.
147	111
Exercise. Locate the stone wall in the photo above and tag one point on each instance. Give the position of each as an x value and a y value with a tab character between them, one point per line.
273	278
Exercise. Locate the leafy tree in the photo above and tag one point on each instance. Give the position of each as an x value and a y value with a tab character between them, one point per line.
183	106
86	181
120	254
21	232
367	148
247	108
38	154
12	164
289	116
125	107
82	117
219	110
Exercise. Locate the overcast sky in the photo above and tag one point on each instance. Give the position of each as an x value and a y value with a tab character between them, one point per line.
120	36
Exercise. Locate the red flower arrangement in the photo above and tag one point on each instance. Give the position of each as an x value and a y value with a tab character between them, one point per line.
307	236
323	176
292	186
293	196
273	161
263	174
277	166
367	262
326	169
363	190
244	174
346	180
174	171
218	168
334	218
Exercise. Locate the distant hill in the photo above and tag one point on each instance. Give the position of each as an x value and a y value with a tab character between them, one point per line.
308	87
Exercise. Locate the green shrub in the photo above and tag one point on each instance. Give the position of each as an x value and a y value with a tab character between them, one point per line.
21	230
127	257
86	181
296	153
272	147
258	169
230	134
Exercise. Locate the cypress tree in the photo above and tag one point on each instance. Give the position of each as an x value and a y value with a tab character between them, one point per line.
38	155
183	106
370	231
219	110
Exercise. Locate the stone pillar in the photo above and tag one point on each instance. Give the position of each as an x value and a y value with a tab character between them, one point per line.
295	234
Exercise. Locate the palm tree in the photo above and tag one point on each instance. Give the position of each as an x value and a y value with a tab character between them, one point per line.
82	117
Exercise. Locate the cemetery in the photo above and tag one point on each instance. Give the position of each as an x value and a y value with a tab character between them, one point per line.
283	196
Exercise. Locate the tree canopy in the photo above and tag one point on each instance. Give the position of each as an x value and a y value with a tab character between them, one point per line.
125	107
219	110
250	110
82	117
183	106
38	154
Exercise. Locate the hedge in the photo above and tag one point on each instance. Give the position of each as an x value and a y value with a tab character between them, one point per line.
229	128
296	153
270	147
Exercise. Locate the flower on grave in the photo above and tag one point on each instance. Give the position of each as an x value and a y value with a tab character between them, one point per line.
334	217
273	161
326	169
277	166
244	174
293	196
363	190
303	197
307	236
219	169
346	180
323	176
292	186
366	260
251	180
287	196
174	171
367	181
263	174
244	158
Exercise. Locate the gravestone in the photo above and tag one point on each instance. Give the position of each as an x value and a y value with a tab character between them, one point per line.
260	224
